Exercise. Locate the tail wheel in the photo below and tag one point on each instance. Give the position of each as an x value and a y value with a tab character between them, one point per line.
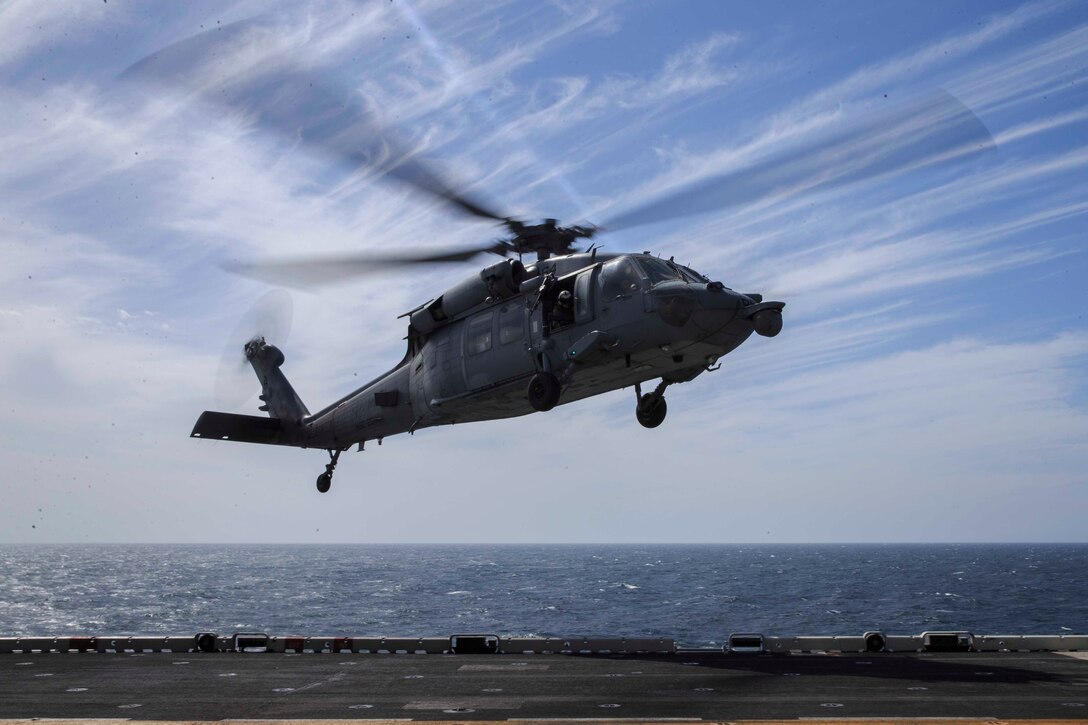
543	391
324	482
651	411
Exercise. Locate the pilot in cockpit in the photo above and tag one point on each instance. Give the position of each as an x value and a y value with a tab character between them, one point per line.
563	312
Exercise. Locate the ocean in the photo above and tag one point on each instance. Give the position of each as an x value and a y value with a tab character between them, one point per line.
698	594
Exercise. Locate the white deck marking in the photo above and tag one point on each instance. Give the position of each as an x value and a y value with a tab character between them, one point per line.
503	668
328	680
464	704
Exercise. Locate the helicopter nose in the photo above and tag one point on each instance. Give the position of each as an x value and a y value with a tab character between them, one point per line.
716	296
707	306
718	306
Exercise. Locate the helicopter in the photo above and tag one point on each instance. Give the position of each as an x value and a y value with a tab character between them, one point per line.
516	339
550	322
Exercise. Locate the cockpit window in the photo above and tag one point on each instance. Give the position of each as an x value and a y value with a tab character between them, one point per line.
691	275
658	270
619	277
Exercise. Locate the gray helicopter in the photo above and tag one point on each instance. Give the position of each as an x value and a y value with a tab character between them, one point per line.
518	338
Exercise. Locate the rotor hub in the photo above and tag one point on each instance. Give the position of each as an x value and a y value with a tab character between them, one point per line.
547	238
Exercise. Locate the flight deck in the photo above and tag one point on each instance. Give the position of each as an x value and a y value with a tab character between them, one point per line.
252	676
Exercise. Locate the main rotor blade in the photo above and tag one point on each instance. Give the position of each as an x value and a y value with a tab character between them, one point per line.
305	272
934	131
236	67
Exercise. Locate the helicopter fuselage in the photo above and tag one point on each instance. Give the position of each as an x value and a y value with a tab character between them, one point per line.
632	318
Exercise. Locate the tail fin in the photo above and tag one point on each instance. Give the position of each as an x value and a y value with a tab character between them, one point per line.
280	399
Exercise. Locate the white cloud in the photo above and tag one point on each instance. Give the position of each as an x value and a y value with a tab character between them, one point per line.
26	25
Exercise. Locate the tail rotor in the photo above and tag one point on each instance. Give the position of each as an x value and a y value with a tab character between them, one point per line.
268	319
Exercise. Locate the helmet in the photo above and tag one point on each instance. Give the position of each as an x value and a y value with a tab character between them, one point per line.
565	298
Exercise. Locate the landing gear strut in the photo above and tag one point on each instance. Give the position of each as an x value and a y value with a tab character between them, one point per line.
324	481
651	408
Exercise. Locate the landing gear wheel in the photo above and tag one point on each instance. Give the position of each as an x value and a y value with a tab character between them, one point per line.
651	411
543	391
324	481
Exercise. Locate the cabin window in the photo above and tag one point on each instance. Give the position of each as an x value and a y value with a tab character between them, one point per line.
479	334
583	311
619	277
511	324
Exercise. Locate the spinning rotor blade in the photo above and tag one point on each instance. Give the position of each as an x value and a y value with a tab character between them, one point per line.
238	67
270	318
251	67
934	131
313	271
415	173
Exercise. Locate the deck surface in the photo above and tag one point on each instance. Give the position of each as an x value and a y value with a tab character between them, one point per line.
707	686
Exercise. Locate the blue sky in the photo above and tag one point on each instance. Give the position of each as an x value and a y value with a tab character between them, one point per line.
929	384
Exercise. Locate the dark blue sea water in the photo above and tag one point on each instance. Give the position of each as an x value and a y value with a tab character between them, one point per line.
697	594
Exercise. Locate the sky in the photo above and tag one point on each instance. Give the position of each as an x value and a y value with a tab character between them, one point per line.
930	383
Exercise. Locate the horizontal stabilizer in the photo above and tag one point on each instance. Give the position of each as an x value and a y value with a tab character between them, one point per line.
243	428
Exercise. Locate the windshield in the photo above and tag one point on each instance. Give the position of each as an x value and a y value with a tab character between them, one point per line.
658	270
690	274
